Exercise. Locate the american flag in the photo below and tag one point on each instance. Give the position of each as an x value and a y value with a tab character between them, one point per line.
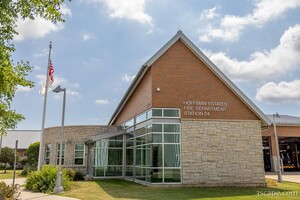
51	71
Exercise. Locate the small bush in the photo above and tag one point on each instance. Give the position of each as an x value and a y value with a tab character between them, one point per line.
27	169
70	173
9	191
78	176
45	180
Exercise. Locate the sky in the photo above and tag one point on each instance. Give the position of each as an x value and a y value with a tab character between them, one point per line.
101	46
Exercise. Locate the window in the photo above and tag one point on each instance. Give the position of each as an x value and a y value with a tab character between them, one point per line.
62	155
79	154
172	128
109	156
47	153
171	113
129	123
157	112
166	112
141	117
157	154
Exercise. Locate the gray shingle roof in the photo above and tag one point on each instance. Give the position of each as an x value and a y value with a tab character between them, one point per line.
285	120
24	137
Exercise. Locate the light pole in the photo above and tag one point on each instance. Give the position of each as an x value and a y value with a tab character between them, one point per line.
58	187
277	148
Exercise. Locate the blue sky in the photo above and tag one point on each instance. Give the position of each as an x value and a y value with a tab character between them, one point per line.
103	43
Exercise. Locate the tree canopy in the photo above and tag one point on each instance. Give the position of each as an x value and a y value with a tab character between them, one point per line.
14	74
7	156
33	154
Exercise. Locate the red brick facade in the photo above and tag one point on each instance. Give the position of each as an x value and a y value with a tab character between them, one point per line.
139	101
182	77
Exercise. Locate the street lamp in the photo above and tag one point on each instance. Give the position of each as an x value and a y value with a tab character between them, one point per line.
58	187
277	148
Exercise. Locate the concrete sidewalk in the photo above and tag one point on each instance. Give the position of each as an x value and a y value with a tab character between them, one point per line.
286	176
26	194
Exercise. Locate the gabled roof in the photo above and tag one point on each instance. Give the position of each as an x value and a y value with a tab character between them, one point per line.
180	36
24	137
286	120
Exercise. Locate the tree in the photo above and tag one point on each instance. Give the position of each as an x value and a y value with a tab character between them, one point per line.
33	154
7	156
13	74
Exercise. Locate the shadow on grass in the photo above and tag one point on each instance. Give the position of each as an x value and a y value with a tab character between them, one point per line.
129	190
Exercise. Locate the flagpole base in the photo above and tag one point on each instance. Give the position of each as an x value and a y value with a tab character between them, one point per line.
58	187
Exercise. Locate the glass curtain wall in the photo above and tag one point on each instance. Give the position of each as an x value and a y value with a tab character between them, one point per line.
158	153
152	152
129	154
108	157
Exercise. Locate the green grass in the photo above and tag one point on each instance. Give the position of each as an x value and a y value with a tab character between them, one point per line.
121	189
9	174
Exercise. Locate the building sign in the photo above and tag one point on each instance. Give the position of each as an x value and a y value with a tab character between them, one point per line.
203	108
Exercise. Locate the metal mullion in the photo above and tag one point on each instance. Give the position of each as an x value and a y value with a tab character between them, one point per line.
163	151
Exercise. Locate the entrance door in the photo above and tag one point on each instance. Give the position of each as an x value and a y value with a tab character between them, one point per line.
266	153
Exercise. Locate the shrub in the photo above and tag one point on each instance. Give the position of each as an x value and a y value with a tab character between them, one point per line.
27	169
9	191
45	179
70	173
33	154
78	176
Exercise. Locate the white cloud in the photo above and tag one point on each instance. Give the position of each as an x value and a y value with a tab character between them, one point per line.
101	101
34	29
71	87
128	78
209	13
231	26
21	88
72	93
131	10
88	36
263	65
65	10
273	93
43	53
39	27
37	68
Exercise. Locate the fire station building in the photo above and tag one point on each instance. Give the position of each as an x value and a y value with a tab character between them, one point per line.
182	122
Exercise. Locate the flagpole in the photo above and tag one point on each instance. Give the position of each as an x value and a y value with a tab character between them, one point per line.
44	110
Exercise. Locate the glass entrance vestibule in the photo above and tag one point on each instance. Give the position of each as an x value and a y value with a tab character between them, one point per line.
148	151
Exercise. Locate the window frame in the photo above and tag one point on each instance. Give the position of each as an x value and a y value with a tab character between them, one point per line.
46	157
63	154
83	156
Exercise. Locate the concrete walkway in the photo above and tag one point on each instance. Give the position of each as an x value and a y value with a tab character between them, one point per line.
286	176
26	194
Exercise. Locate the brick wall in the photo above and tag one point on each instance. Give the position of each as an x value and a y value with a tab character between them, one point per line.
222	153
182	76
139	101
72	135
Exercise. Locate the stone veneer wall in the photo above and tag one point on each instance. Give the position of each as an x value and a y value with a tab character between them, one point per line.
72	135
222	153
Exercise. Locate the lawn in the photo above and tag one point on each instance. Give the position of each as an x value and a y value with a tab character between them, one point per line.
9	174
121	189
